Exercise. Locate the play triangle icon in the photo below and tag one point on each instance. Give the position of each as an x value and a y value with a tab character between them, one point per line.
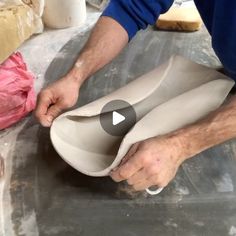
117	118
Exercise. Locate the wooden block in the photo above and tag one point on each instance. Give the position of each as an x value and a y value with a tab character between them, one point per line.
18	23
36	5
180	19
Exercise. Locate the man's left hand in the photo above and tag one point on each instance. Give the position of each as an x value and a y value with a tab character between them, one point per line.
153	162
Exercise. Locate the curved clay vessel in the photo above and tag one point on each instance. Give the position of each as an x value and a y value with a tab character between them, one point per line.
64	13
171	96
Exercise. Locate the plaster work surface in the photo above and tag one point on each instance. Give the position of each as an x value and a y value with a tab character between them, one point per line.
42	195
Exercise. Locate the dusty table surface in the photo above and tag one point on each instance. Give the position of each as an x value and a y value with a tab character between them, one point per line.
42	195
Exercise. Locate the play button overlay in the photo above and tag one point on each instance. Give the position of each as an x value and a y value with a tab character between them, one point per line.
117	117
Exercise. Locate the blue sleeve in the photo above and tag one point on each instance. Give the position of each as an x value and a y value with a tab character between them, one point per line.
220	20
134	15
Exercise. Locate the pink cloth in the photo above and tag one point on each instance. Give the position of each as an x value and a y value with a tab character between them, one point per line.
17	96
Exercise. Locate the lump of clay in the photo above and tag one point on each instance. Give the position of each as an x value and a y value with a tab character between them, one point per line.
171	96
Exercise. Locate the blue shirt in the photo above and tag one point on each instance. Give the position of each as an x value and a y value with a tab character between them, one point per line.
219	17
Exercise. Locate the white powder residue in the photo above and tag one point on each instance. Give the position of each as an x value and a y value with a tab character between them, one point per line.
224	184
29	225
171	223
232	231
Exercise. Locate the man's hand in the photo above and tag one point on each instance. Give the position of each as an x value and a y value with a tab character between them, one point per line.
154	161
57	97
106	41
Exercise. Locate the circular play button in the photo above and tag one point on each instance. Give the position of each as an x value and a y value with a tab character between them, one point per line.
117	117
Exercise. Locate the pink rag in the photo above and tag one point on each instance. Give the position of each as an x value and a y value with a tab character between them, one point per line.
17	95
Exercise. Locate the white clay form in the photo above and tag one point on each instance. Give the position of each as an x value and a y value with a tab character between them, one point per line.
171	96
64	13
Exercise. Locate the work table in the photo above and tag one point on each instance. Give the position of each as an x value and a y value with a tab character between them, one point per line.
42	195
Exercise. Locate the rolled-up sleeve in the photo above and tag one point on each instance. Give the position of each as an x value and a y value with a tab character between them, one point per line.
134	15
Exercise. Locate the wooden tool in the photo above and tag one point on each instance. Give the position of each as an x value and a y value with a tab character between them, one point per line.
182	16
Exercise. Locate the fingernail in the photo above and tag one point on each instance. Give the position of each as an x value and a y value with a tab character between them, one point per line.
112	172
115	169
50	119
45	124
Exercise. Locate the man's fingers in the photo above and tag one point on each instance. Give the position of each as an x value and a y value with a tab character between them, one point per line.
137	177
128	169
142	185
53	112
43	103
47	109
130	153
159	181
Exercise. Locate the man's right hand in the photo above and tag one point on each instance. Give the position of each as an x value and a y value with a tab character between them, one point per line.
57	97
106	41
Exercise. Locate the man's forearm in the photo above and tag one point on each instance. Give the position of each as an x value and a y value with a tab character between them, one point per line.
216	128
106	41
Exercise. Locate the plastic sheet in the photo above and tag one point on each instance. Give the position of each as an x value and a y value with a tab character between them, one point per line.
17	95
